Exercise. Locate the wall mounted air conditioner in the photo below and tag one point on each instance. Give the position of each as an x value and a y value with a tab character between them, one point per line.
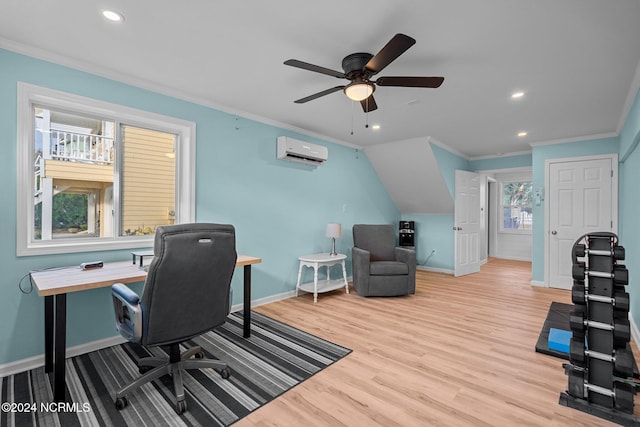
300	151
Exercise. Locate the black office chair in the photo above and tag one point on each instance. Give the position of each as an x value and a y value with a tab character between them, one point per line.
187	293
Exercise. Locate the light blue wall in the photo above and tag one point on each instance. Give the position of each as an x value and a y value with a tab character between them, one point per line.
436	231
449	163
540	155
629	203
280	209
503	162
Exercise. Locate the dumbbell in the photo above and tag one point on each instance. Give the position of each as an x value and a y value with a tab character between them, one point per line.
620	273
622	360
622	392
621	328
620	301
617	252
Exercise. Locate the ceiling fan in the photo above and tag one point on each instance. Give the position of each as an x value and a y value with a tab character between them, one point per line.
361	67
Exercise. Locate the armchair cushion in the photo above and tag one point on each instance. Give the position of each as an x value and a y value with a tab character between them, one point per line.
388	268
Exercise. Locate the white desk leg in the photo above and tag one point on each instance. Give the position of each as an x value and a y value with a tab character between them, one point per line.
299	277
344	274
315	283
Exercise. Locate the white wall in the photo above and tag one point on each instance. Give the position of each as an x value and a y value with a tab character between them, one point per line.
505	245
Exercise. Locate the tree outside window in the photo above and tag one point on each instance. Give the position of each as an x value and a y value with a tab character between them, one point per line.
98	176
517	206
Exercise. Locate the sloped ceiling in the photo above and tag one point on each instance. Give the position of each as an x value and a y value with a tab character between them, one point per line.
412	177
575	61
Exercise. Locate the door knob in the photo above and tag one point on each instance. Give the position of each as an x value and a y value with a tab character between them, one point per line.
457	228
554	232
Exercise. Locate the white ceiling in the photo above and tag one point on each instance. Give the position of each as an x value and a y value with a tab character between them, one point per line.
574	59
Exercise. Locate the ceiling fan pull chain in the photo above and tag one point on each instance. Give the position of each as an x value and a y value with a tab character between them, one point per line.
366	114
353	106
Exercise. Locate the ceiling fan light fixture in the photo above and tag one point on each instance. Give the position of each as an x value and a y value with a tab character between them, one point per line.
359	90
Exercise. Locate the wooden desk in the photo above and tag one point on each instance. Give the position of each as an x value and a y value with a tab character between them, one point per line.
55	284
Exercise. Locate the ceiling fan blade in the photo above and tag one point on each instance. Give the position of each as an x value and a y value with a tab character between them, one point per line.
430	82
392	50
318	95
369	104
316	68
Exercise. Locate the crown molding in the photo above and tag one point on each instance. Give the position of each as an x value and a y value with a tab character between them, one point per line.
575	139
505	155
446	147
110	74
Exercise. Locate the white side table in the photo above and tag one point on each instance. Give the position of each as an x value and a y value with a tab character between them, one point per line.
316	261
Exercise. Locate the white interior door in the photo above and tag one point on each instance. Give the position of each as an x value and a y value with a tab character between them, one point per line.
582	198
467	223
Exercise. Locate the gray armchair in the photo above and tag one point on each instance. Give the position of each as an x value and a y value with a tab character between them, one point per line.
379	267
186	293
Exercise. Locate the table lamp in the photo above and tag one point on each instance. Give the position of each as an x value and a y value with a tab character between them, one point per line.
333	231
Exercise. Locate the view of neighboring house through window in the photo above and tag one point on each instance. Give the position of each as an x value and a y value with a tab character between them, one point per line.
77	165
517	206
95	176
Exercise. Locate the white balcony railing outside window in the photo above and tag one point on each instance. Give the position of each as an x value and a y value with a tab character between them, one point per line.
81	147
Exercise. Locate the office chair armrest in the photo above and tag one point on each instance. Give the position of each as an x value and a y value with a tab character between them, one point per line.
128	312
125	293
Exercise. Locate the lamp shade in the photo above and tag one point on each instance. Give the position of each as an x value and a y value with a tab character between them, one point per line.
334	230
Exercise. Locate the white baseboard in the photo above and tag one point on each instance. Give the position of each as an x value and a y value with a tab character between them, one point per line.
539	284
37	361
434	269
513	258
265	300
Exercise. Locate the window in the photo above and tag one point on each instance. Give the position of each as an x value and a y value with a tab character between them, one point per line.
517	206
98	176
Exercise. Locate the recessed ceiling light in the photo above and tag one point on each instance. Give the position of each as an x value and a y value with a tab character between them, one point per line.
522	134
516	95
375	127
112	16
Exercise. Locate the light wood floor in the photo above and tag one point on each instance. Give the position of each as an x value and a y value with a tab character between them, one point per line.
460	352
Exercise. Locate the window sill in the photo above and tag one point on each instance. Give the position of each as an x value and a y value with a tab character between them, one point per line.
75	246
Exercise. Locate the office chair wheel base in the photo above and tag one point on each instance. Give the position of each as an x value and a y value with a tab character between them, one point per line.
121	402
181	406
225	373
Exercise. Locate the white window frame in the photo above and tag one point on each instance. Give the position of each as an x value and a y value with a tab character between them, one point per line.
501	228
30	95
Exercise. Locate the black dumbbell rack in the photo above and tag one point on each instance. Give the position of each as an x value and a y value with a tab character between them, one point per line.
601	371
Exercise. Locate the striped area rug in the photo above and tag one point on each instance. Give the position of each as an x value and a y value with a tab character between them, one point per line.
276	358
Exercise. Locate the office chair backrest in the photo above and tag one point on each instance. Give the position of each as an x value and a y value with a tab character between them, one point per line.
187	289
379	240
